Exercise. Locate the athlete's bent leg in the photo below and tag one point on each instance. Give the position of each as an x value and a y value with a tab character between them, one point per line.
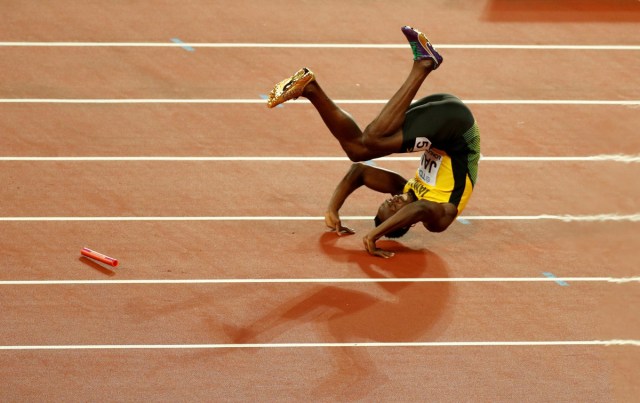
383	136
384	133
341	124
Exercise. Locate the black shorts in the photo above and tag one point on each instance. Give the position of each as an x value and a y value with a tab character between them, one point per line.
438	121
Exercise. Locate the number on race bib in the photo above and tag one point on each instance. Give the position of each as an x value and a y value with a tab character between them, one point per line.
421	143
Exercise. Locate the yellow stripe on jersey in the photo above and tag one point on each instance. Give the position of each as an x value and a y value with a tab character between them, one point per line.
434	180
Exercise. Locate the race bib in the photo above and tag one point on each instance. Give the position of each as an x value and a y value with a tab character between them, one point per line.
422	143
429	166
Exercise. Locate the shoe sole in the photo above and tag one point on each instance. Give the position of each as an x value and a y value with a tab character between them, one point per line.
280	94
424	43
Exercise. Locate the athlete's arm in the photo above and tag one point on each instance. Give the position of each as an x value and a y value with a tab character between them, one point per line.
378	179
435	216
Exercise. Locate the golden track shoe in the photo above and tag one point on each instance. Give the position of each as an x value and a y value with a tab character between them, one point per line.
290	88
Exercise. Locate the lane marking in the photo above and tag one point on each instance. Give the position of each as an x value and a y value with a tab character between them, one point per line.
317	45
630	102
565	343
595	158
619	280
602	157
557	280
183	45
564	218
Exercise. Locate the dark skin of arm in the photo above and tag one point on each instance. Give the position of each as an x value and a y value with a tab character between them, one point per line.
380	180
405	211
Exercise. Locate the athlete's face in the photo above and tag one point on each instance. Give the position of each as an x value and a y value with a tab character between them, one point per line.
391	206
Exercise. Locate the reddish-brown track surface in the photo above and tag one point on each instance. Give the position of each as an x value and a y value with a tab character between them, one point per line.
274	317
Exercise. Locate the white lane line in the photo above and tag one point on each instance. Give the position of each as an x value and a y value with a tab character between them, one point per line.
560	343
565	218
629	102
596	158
617	280
603	157
315	45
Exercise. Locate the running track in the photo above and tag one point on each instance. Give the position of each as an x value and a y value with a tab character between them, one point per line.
140	132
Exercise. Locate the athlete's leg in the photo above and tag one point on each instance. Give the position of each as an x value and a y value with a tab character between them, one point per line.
384	133
340	123
383	136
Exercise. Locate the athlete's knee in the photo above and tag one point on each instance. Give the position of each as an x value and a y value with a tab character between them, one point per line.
357	154
356	157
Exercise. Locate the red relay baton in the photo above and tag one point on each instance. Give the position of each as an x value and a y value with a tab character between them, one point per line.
99	257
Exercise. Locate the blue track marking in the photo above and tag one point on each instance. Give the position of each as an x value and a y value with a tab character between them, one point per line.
551	275
183	46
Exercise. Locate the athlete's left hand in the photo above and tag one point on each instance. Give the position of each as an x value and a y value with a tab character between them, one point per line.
370	246
332	220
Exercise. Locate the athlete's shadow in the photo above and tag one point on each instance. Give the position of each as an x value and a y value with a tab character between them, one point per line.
399	311
357	312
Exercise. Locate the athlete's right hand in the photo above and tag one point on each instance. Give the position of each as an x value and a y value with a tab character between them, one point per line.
332	220
370	246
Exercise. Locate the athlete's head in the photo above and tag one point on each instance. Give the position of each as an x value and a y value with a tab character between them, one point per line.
388	208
